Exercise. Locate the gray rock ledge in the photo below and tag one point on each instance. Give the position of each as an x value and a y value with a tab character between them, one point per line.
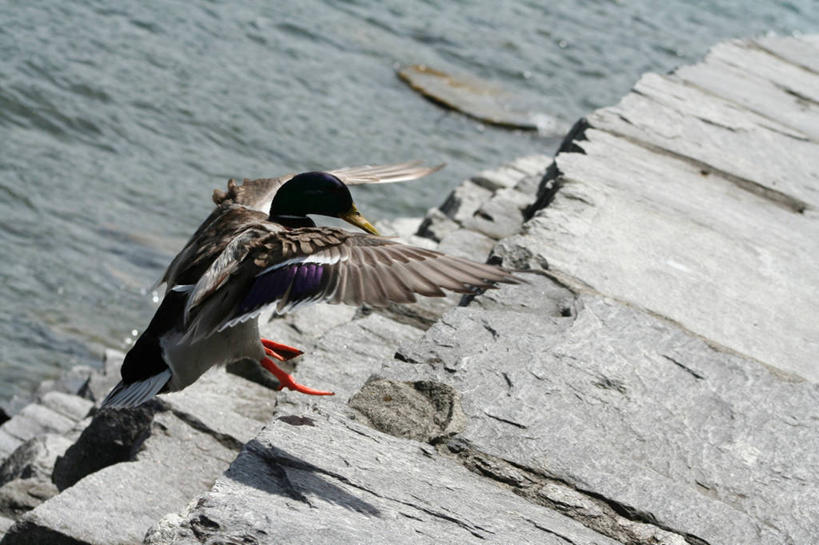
652	383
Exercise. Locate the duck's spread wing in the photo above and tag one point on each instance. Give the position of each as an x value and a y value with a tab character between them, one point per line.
370	174
258	194
225	269
307	265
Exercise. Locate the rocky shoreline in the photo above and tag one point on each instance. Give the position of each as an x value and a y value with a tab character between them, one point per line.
652	382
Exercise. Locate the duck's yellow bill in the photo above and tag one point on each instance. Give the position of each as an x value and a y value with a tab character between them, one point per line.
354	216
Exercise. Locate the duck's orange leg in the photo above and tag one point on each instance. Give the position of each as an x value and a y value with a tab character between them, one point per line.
281	352
286	380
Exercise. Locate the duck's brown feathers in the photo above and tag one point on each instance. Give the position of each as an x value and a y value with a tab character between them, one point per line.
266	267
244	205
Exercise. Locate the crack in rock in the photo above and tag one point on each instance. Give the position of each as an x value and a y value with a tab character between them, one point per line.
604	515
684	367
506	421
224	439
471	528
548	531
779	198
284	461
491	330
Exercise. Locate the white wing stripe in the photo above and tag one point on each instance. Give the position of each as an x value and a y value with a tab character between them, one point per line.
136	393
183	288
319	258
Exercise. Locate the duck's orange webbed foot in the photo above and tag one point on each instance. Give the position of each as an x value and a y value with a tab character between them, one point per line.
286	380
281	352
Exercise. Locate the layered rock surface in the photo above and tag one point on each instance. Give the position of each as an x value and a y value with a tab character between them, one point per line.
177	447
696	197
653	381
126	469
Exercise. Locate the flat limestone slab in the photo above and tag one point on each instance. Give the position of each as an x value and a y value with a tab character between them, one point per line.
322	478
781	93
745	111
802	51
658	232
696	198
628	407
758	153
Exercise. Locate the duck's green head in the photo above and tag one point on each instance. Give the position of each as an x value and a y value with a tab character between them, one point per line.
317	193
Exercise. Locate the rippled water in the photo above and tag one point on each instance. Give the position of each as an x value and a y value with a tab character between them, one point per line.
117	120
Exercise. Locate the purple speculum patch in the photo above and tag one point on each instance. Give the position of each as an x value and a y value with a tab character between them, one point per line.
269	287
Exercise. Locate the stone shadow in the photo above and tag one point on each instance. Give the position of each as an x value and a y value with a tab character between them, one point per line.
275	471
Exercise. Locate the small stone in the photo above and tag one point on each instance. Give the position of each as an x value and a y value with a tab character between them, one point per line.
468	244
8	443
19	496
501	216
403	228
36	419
499	178
71	406
5	524
464	201
98	386
70	382
532	165
436	225
34	459
118	504
25	476
112	362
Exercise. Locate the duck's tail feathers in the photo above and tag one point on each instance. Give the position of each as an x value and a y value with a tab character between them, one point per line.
136	393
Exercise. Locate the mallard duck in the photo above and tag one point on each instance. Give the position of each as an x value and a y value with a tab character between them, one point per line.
242	260
234	206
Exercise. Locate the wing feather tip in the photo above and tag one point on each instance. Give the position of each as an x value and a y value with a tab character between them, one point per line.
124	396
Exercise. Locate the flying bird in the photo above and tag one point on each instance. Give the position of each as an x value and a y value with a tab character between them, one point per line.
259	249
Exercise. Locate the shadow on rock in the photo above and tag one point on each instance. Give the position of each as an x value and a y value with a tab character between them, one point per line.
274	471
113	436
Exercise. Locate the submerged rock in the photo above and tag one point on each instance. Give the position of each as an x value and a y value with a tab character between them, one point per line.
479	99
